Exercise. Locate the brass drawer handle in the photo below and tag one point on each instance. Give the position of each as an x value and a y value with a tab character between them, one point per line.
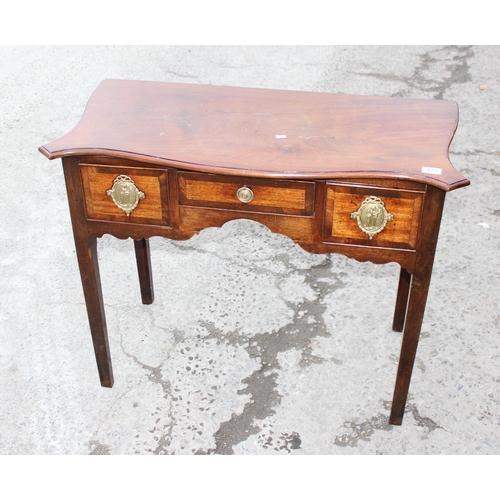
244	194
372	216
125	194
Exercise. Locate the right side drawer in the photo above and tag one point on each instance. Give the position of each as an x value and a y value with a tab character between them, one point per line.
371	215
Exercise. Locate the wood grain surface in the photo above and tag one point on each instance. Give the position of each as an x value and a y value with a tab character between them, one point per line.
263	132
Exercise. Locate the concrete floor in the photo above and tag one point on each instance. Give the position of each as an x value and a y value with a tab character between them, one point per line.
252	346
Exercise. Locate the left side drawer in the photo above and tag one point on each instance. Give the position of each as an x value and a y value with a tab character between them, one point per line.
125	194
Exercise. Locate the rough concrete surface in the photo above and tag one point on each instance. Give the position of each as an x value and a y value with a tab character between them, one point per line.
252	345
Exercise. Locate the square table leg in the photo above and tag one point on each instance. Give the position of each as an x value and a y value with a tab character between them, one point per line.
401	300
143	258
86	250
419	288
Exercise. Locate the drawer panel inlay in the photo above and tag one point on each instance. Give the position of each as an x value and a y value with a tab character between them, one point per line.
402	213
151	207
247	194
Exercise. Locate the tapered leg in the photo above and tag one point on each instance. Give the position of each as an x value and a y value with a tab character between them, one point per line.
414	318
86	250
143	258
431	219
401	300
89	270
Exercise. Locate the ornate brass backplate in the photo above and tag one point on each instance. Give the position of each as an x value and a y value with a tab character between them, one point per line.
125	194
372	216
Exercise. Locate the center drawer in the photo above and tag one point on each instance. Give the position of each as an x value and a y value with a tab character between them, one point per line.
246	194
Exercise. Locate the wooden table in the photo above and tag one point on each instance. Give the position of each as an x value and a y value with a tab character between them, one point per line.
357	175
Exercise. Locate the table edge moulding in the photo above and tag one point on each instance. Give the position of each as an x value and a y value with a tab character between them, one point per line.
364	176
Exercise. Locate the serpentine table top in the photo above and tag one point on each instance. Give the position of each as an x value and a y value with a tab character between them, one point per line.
272	133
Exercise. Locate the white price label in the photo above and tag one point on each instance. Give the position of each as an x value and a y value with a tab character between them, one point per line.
431	170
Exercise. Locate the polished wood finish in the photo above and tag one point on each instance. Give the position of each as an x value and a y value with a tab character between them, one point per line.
239	131
309	159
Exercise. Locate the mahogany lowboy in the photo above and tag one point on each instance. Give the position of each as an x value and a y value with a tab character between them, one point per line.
358	175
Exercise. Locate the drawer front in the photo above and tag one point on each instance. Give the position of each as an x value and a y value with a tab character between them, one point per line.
125	194
372	216
246	194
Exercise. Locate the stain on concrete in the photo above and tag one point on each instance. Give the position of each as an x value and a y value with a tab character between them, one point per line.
428	424
439	69
362	431
163	443
99	448
455	59
261	385
285	441
420	365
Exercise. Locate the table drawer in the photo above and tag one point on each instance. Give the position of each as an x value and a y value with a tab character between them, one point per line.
246	194
372	216
125	194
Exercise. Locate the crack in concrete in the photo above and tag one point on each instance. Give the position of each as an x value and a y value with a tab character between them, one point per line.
262	384
475	152
180	75
100	448
252	266
155	375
